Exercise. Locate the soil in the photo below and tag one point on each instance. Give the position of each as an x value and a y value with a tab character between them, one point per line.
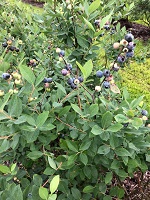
35	3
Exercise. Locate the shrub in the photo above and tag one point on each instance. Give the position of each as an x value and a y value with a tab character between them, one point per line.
62	126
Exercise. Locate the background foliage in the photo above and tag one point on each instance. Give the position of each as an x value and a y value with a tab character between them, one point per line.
59	142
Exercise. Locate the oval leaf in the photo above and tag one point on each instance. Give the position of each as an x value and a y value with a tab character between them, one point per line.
54	184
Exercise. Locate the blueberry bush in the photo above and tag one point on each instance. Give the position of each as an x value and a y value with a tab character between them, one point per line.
67	130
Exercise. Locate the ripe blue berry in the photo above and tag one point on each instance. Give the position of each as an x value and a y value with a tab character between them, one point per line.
97	23
47	80
73	86
68	67
129	37
62	53
99	74
144	112
80	79
130	54
5	76
70	81
106	84
121	59
106	73
64	72
4	44
106	27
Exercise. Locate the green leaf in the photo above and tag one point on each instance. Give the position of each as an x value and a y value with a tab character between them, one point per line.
114	88
137	122
34	155
27	74
40	78
54	184
85	145
122	152
6	98
84	159
88	189
76	109
43	193
115	127
72	146
96	130
42	118
82	41
105	19
136	102
52	197
93	6
37	180
121	118
82	70
76	193
108	177
60	87
93	110
52	163
4	145
147	158
4	169
71	159
106	119
89	24
104	149
88	66
15	106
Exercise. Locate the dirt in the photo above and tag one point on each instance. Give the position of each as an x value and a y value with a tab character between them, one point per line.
34	3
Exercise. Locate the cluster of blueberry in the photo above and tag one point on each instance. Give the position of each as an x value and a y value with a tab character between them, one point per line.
106	26
126	46
8	44
67	71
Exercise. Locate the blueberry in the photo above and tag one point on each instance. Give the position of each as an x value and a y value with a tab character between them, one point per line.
62	53
106	27
49	80
121	59
68	67
80	79
144	112
130	54
129	37
70	81
5	76
99	74
17	50
4	44
11	48
125	124
130	46
106	73
64	72
45	80
73	86
106	84
97	23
